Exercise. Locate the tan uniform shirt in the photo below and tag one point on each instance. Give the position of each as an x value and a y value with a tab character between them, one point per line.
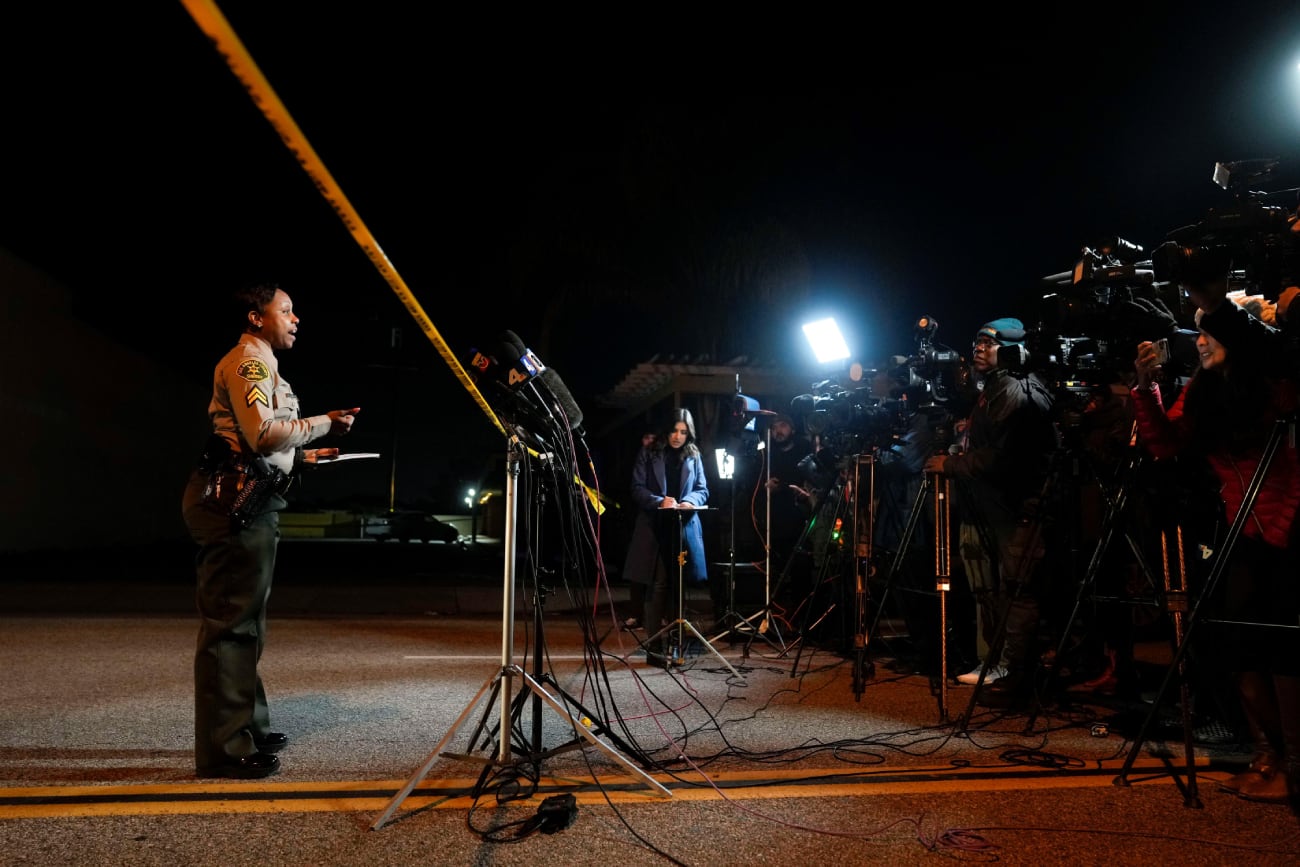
255	408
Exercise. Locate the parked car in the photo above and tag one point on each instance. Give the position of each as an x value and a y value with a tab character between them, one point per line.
405	525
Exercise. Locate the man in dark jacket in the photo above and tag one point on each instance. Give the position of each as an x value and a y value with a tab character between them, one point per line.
1000	470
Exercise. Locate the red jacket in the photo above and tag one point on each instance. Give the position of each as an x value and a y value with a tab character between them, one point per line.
1165	434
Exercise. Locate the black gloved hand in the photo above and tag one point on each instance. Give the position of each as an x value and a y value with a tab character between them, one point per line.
1149	317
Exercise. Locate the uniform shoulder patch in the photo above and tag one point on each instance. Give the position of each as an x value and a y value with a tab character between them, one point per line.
253	370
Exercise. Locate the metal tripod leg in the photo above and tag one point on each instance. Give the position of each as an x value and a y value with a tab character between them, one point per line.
842	499
942	580
681	623
1116	508
1280	428
766	622
767	627
909	529
730	619
864	491
501	682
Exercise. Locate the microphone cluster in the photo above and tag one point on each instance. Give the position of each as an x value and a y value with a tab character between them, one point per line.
532	392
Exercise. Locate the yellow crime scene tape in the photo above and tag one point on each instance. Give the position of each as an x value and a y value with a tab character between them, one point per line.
228	44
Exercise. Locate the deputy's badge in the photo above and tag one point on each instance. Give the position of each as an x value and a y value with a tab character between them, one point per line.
254	370
256	395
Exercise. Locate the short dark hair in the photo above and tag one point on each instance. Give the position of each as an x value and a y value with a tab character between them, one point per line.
252	298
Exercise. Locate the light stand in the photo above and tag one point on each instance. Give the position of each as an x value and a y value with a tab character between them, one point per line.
730	620
682	624
501	683
767	624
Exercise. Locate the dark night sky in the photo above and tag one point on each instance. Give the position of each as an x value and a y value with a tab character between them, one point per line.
932	162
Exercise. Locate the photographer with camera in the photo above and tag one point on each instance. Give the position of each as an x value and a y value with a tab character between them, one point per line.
1010	440
1245	385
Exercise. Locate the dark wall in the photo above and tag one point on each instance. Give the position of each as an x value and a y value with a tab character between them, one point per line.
96	439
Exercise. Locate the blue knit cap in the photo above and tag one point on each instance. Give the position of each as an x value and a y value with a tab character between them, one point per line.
1006	331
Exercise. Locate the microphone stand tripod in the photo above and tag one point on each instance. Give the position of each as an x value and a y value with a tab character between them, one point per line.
501	683
532	750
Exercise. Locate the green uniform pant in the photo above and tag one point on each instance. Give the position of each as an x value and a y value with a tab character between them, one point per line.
234	571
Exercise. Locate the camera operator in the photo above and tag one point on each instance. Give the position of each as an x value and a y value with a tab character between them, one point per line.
1010	439
791	503
1245	384
1239	325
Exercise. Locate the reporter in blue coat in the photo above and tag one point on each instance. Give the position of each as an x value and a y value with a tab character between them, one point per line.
651	566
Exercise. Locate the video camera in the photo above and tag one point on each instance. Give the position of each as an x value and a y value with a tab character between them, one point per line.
1117	296
884	404
1255	242
934	376
1088	329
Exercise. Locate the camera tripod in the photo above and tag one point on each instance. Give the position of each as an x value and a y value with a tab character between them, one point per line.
1117	500
1177	666
936	489
829	520
499	687
934	495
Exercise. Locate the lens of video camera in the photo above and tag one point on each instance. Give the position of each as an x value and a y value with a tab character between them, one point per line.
1176	263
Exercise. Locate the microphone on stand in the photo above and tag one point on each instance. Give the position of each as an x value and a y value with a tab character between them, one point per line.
527	367
519	374
486	369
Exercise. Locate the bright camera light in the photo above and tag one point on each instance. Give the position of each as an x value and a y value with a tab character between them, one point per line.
726	463
826	340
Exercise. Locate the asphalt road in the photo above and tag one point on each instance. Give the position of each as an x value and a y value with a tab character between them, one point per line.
782	755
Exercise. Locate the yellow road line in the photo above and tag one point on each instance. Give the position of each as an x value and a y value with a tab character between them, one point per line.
457	794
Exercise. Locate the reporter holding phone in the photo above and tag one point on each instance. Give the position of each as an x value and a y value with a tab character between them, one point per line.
1226	414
